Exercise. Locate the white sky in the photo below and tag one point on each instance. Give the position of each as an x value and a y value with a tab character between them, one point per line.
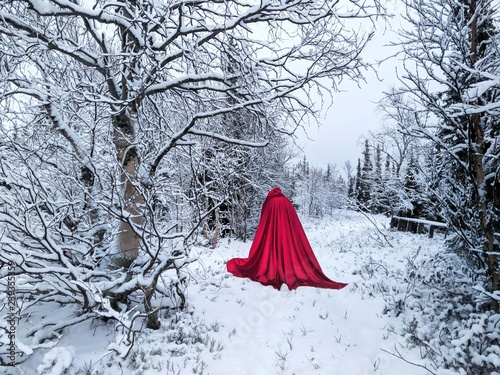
353	112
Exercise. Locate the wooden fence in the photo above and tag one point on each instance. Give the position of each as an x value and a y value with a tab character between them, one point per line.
409	224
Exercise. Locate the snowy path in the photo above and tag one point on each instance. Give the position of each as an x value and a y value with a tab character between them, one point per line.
309	330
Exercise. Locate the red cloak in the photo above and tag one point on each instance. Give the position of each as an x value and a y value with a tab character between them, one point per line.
280	252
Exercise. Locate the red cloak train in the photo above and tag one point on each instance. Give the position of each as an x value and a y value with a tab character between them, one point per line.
280	252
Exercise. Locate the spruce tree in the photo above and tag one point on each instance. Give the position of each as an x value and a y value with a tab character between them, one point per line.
377	188
357	190
389	198
365	183
412	188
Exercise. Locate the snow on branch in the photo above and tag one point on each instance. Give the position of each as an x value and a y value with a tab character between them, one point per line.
121	85
228	139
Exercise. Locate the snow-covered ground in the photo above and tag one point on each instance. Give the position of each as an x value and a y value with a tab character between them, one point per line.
238	327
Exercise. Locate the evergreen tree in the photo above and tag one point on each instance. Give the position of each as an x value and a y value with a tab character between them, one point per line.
328	173
351	189
366	178
357	189
389	198
378	191
413	189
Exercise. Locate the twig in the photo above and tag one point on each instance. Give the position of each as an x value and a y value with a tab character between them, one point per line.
364	212
399	356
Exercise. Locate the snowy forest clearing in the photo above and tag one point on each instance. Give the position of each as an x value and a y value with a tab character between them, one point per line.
133	133
237	326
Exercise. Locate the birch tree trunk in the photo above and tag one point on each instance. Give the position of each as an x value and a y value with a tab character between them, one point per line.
129	237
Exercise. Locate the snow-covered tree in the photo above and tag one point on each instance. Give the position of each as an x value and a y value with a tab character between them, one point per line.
350	179
104	111
316	191
412	187
405	155
452	64
365	180
377	202
392	201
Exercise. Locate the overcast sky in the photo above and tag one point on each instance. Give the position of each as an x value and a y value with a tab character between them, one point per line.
353	113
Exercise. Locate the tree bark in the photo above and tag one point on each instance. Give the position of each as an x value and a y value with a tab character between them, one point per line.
478	155
128	238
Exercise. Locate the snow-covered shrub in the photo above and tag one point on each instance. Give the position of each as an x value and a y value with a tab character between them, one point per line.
56	361
175	348
445	316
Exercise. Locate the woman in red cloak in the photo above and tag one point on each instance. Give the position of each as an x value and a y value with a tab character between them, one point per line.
280	252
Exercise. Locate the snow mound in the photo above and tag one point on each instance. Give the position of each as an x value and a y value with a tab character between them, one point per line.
57	361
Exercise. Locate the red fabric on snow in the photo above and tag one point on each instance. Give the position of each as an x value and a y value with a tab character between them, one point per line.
280	252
